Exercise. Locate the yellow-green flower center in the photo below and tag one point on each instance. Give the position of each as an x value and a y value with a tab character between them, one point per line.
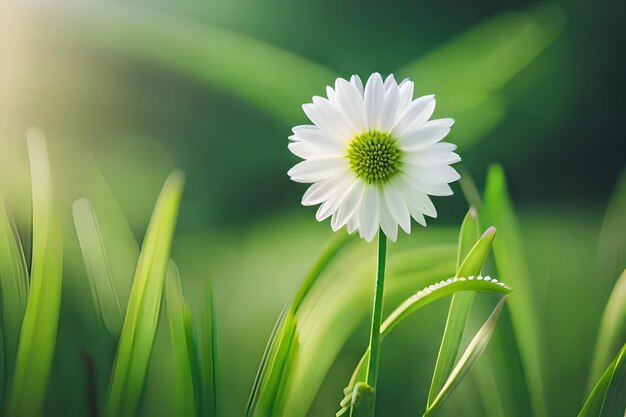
374	156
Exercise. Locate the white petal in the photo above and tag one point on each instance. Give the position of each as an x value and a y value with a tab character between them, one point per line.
306	150
390	109
351	102
369	214
388	224
428	134
439	174
330	93
418	216
316	135
406	94
414	115
374	100
437	154
355	80
440	190
389	82
323	190
318	169
415	198
397	207
348	206
353	223
329	117
333	203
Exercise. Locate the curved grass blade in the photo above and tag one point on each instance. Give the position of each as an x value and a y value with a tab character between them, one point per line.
270	375
611	327
179	318
612	240
138	332
473	262
422	298
103	290
13	287
39	328
493	52
469	358
607	398
461	303
263	75
511	262
437	291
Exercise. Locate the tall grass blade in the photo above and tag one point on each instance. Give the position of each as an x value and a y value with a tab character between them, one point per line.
202	339
179	320
139	328
607	398
511	262
39	328
13	287
270	376
461	303
612	241
474	350
103	289
252	400
612	328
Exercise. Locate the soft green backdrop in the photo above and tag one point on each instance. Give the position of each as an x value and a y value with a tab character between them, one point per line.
128	91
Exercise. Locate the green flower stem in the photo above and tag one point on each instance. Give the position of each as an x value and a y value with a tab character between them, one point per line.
374	346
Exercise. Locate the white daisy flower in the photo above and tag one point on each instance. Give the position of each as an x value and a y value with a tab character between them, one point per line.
373	156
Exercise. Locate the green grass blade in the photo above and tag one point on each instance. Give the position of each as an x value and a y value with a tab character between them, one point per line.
252	400
437	291
511	262
261	74
461	303
103	289
612	241
607	398
492	53
469	234
13	286
611	327
206	359
270	376
422	298
138	332
474	350
39	328
179	319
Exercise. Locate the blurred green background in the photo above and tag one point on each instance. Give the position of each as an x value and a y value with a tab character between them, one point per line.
128	91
